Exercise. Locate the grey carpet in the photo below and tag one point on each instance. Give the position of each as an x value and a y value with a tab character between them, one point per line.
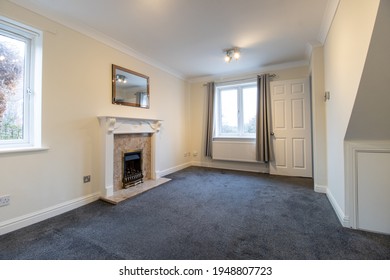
202	214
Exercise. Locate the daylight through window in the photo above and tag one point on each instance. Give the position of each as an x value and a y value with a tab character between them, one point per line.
18	93
236	110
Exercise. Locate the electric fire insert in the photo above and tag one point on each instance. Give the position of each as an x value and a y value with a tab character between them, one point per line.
132	168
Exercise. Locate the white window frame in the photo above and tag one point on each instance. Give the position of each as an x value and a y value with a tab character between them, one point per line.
32	86
240	86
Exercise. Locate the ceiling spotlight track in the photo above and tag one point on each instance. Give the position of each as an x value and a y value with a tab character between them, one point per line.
232	53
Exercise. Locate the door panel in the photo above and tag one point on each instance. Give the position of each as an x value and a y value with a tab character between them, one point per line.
298	117
280	114
298	153
373	190
291	127
298	88
279	89
280	157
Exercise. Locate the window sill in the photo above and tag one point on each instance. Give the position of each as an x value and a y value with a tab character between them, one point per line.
238	138
22	150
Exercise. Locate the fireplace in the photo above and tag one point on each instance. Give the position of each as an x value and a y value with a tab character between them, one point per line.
132	169
121	136
121	128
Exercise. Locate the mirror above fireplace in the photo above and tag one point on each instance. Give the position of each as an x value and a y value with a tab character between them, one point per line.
129	87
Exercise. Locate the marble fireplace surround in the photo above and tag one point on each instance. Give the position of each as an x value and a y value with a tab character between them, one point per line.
110	126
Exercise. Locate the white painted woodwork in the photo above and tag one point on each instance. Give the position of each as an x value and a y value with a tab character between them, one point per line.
373	191
368	185
291	126
119	125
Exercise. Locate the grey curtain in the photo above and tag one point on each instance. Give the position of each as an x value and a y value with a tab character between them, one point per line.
210	118
263	132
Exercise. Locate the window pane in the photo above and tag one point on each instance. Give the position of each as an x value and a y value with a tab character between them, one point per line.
11	88
229	107
249	96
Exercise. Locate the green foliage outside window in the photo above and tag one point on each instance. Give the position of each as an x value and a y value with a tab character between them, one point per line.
11	70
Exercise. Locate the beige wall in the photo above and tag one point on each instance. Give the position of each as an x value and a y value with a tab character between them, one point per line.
345	52
198	112
76	89
318	119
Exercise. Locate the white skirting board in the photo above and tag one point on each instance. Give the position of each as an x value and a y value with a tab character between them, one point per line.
234	165
35	217
160	174
320	189
344	220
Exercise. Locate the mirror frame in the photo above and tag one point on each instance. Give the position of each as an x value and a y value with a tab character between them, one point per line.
125	102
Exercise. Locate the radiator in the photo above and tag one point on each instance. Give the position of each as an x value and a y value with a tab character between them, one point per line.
234	151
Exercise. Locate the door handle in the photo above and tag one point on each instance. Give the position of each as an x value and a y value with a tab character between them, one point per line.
272	134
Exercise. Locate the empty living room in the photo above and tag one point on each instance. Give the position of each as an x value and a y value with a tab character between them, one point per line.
194	138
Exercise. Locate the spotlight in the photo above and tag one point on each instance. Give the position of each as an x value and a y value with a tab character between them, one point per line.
232	53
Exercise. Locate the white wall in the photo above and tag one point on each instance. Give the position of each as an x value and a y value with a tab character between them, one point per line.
370	115
318	119
198	112
368	136
345	51
76	89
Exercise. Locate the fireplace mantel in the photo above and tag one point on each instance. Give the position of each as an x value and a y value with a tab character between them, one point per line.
123	125
111	125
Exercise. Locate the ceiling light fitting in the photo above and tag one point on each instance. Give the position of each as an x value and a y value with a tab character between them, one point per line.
120	78
232	53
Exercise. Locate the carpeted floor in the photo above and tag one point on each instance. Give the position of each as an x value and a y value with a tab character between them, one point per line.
202	214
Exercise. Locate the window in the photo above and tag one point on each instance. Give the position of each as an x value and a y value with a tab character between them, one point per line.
20	73
236	110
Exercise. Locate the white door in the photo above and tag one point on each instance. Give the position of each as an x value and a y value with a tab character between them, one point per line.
291	128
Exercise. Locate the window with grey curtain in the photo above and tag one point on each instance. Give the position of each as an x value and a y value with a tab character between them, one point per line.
210	119
263	130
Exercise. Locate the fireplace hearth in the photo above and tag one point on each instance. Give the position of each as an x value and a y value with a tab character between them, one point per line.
132	169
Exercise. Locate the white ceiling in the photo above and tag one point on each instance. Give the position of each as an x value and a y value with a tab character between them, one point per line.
187	37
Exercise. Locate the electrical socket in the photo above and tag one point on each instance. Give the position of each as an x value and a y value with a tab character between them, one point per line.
87	179
5	200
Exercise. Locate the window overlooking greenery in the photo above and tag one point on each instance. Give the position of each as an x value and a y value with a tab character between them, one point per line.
20	72
12	63
236	110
